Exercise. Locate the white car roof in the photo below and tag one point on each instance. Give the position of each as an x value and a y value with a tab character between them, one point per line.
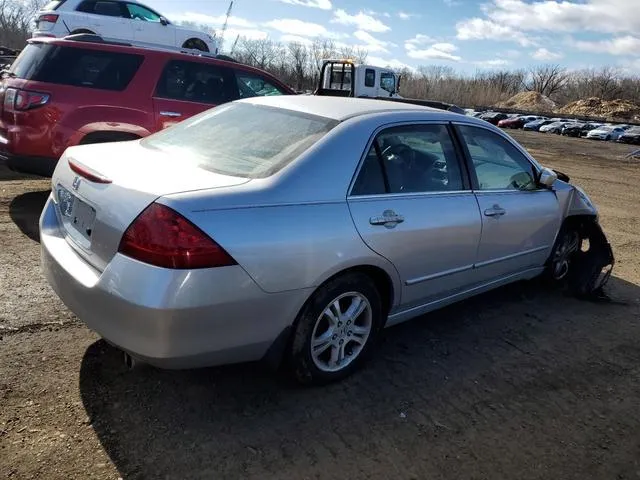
337	108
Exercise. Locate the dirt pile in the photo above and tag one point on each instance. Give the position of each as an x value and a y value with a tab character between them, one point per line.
533	101
596	107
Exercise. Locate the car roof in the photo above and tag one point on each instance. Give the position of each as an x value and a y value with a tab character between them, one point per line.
340	108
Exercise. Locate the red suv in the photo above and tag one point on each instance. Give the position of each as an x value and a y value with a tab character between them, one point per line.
83	89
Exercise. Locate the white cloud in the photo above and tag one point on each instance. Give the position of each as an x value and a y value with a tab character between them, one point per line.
480	29
407	16
322	4
437	51
215	21
248	33
373	13
388	63
610	16
495	63
544	54
292	26
371	44
418	40
452	3
627	45
296	39
361	20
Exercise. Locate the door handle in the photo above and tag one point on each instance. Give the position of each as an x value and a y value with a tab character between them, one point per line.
495	211
170	114
389	219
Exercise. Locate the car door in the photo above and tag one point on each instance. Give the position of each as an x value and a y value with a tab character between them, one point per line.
411	203
147	27
520	219
107	18
186	88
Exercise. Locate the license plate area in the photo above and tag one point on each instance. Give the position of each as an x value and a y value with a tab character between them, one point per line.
78	216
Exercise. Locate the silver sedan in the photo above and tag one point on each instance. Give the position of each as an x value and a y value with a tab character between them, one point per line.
296	228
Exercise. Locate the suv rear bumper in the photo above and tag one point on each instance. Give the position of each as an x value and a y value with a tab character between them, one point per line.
32	165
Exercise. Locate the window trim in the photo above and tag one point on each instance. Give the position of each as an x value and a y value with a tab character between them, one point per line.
470	168
466	181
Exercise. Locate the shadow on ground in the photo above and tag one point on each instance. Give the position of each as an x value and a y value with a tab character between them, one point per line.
519	377
25	212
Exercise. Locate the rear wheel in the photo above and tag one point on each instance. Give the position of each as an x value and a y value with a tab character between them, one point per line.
196	44
336	330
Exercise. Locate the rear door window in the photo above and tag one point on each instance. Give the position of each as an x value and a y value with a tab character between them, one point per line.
253	85
196	82
78	67
104	8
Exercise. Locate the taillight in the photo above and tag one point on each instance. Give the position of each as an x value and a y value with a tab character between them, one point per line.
162	237
16	99
48	17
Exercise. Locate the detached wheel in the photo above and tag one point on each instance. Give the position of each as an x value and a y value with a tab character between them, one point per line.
564	250
336	330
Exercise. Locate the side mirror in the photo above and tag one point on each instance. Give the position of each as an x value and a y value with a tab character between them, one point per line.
164	21
547	177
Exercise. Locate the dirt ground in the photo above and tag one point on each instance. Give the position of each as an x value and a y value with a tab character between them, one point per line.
520	383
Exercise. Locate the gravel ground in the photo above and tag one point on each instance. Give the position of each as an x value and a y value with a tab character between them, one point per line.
518	383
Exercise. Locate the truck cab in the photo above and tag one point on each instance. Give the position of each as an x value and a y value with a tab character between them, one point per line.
345	78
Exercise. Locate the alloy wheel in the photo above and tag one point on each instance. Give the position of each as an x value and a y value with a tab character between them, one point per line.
341	332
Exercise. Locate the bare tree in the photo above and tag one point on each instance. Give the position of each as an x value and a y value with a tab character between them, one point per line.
546	79
16	21
259	53
321	49
299	55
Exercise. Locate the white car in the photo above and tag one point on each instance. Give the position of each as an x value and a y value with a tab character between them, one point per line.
607	132
123	20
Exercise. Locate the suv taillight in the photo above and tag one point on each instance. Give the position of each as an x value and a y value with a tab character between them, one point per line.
48	17
162	237
16	99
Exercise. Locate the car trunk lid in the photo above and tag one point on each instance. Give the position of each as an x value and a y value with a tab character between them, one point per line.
100	190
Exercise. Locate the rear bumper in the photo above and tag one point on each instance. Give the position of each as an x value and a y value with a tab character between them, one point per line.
168	318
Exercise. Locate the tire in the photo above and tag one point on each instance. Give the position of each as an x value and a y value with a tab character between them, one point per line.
107	137
607	138
196	44
337	338
558	267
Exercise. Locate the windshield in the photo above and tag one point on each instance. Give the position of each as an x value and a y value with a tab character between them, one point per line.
240	139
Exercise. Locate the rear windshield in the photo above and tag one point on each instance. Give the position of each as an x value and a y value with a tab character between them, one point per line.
79	67
241	139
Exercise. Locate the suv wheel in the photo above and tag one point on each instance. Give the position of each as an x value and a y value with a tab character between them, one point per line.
196	44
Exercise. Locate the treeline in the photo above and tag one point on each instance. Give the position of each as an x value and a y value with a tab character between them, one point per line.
299	65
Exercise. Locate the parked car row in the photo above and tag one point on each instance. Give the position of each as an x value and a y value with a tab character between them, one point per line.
563	126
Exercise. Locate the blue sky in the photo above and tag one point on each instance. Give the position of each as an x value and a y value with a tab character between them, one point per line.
465	34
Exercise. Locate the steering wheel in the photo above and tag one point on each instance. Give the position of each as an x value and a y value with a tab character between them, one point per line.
401	150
